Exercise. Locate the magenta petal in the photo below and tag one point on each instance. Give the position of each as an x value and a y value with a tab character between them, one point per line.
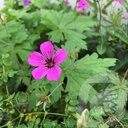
47	49
54	73
36	59
82	4
26	2
126	15
67	2
60	56
39	72
119	1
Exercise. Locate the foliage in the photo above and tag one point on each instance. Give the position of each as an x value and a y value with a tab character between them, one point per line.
92	90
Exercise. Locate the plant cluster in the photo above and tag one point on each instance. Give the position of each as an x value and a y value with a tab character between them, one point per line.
79	78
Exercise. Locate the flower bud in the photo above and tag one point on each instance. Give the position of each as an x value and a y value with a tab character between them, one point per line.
2	20
82	121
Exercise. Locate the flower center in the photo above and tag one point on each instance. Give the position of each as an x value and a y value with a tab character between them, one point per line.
49	63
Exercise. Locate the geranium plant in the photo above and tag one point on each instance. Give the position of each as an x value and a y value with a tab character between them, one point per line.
63	66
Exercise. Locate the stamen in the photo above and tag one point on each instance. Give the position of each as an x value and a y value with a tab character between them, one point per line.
49	63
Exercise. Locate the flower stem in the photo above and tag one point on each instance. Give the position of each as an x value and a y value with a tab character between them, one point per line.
6	86
100	21
48	113
125	75
54	89
4	73
7	32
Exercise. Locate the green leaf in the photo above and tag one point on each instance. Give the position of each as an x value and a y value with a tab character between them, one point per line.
73	47
101	49
5	56
125	2
119	34
34	21
103	126
16	31
21	97
121	63
16	13
56	36
38	121
32	37
87	93
72	108
47	123
26	81
1	97
1	114
23	50
35	84
73	102
22	126
97	113
3	34
82	23
70	122
57	94
11	73
4	77
10	127
74	85
94	64
92	123
114	78
33	99
122	98
39	4
30	124
125	118
78	72
67	26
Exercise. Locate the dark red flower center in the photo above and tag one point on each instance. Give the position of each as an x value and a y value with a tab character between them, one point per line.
49	63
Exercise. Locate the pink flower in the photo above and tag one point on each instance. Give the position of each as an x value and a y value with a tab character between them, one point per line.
82	4
67	2
26	2
119	1
47	61
126	15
